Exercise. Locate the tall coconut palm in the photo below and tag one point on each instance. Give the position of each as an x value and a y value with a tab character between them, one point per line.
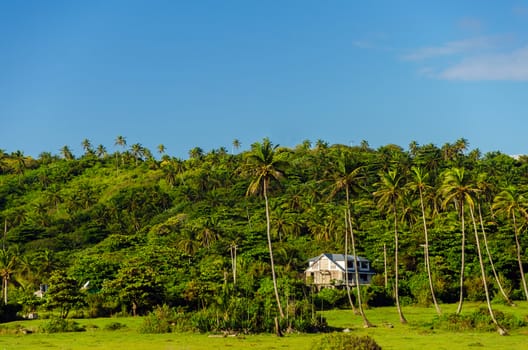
236	145
490	258
511	203
87	146
66	153
266	163
419	184
101	151
119	141
486	190
390	194
456	188
7	268
138	151
346	178
500	329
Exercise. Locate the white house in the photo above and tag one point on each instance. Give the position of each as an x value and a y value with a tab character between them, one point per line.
330	270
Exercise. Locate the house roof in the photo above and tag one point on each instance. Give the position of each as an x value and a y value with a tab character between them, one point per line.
337	257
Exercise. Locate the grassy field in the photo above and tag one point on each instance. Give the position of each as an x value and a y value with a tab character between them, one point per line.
415	335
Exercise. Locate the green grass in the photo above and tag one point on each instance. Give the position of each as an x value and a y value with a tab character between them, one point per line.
417	334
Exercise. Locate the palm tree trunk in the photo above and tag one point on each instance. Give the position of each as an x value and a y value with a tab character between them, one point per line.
386	276
268	232
519	259
346	268
495	275
462	259
501	330
396	270
366	323
5	280
426	257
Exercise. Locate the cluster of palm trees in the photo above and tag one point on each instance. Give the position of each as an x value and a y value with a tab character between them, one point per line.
457	188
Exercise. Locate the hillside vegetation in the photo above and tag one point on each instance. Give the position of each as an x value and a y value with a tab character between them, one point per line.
138	231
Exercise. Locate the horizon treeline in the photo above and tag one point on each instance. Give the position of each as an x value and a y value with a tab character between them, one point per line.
137	231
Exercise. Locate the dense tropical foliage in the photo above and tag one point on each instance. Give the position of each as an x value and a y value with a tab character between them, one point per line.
139	232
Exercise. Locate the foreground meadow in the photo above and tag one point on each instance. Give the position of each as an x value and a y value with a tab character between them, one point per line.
417	334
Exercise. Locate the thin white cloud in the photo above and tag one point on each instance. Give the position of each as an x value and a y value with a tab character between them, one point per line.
505	66
452	48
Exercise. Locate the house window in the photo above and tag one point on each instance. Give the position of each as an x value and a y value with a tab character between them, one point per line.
363	277
364	265
324	264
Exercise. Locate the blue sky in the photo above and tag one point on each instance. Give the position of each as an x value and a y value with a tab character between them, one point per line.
202	73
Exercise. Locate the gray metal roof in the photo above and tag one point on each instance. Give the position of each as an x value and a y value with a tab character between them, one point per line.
338	257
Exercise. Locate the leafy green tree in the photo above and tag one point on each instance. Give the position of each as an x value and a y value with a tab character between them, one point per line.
64	293
266	163
136	285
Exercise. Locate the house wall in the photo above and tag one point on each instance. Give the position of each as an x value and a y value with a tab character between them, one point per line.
325	272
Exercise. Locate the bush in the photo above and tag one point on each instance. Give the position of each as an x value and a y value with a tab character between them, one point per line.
331	297
478	320
343	341
58	325
163	319
377	296
114	326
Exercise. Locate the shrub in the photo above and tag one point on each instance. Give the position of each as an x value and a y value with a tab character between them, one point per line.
343	341
477	320
331	297
114	326
377	296
163	319
58	325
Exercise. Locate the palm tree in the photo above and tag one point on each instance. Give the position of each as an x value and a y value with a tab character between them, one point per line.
87	146
456	187
196	153
20	164
266	163
346	177
512	204
66	153
7	267
161	149
101	151
119	141
236	144
137	152
486	190
502	331
390	194
419	183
